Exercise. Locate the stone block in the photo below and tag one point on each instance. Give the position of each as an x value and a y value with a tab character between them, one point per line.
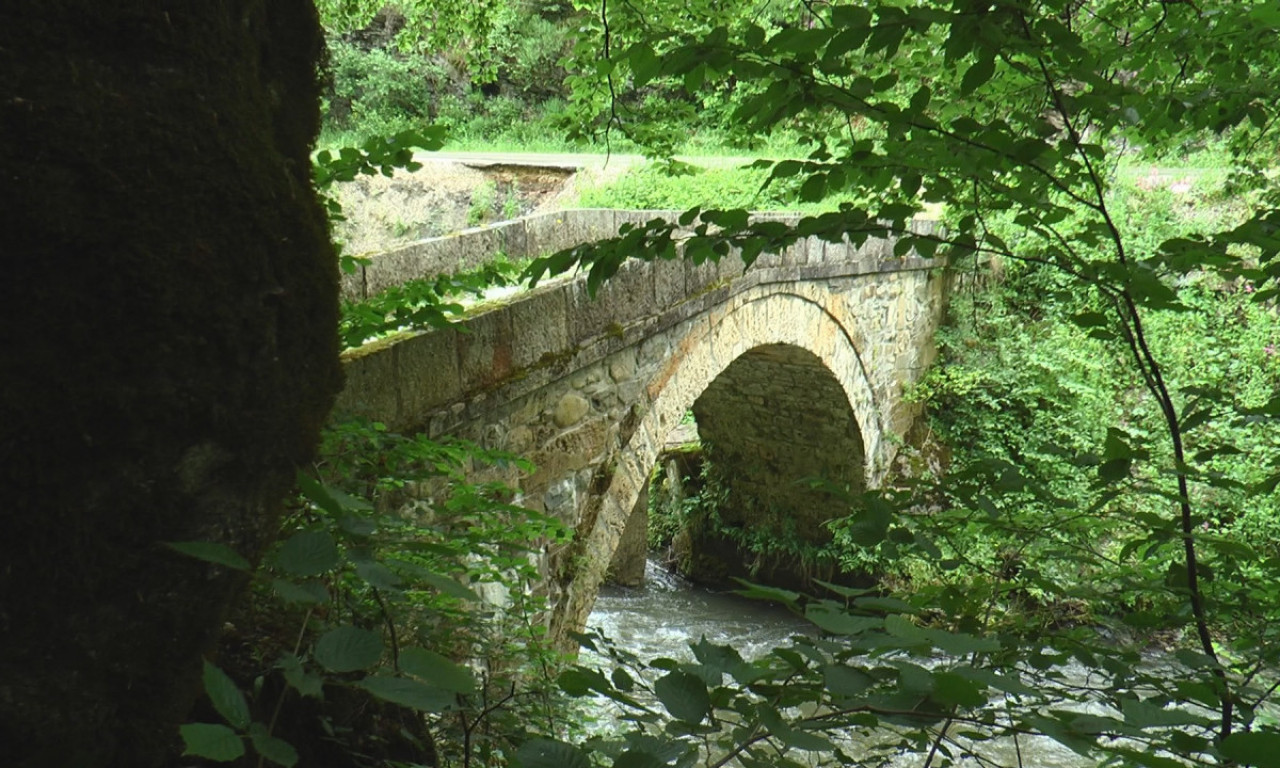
668	283
351	284
371	390
553	232
473	248
698	277
571	409
622	366
485	349
774	259
578	448
730	266
426	258
806	251
841	252
875	251
622	300
653	351
639	217
628	563
512	237
428	372
539	325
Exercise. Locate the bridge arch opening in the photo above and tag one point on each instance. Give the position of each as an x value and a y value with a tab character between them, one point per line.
805	345
777	434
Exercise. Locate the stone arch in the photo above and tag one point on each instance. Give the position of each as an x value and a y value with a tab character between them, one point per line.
775	415
800	317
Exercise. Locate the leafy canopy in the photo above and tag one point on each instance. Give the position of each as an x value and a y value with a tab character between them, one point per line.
1011	120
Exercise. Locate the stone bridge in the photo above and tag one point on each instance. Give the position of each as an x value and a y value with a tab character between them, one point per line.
794	368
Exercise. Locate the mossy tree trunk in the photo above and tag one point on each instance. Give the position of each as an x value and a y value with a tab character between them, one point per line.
168	347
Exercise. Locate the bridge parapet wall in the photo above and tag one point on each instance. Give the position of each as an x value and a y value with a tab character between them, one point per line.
525	237
438	379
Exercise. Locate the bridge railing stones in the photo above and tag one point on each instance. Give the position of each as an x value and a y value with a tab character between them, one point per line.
435	380
526	237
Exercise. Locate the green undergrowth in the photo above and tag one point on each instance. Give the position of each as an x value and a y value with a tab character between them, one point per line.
397	622
1034	391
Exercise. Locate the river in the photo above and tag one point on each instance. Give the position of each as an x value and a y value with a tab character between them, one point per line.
662	617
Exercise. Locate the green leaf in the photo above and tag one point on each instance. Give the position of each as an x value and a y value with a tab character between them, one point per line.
977	74
644	63
803	740
838	622
212	742
307	593
1261	750
1091	320
309	553
845	681
684	696
1190	422
318	494
295	675
758	592
988	678
437	670
850	16
914	678
226	696
273	749
951	689
210	552
1114	470
716	660
622	680
348	649
449	586
377	575
549	753
579	681
1145	715
886	604
814	188
410	693
634	758
960	644
901	627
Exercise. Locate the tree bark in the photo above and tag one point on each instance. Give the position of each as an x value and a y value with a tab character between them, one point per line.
168	347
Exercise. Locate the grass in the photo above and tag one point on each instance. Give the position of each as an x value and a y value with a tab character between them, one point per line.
714	173
720	182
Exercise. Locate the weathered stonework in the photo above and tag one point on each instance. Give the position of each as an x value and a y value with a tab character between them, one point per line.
795	367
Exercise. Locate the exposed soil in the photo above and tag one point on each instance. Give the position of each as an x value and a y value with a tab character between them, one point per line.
444	197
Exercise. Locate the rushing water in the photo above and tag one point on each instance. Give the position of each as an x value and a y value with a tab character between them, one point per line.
662	617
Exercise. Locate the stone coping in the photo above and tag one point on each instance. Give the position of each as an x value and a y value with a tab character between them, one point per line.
434	380
470	249
524	238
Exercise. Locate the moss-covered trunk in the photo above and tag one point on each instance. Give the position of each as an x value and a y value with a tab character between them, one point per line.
168	347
